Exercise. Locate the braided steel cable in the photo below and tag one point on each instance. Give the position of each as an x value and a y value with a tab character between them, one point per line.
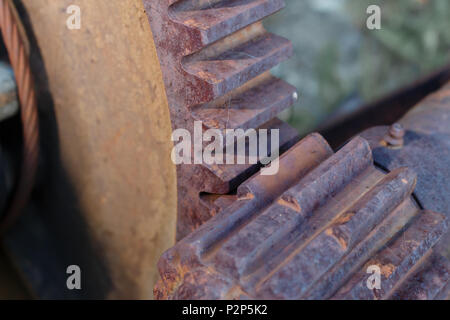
27	98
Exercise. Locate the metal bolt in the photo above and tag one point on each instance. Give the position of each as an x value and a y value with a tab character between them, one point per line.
395	135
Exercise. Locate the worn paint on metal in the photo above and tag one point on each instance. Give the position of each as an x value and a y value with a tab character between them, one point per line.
309	233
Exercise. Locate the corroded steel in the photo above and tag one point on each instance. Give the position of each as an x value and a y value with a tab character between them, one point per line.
426	149
107	202
310	233
215	57
394	137
385	110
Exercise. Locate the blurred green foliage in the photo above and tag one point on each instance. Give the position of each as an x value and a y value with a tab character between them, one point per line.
340	64
414	40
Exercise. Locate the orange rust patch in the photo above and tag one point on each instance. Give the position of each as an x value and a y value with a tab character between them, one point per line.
235	293
386	270
207	75
332	232
173	279
290	203
213	123
248	196
344	218
160	291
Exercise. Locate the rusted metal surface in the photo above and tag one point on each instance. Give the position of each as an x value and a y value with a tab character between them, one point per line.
429	282
399	261
215	57
394	137
108	199
310	233
384	111
426	149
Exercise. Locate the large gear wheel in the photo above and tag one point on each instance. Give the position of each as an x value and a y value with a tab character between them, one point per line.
313	230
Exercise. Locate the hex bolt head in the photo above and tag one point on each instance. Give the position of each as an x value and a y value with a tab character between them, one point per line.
397	131
395	135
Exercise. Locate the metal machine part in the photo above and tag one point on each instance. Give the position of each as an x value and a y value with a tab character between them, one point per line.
384	111
108	198
426	149
309	232
215	57
312	232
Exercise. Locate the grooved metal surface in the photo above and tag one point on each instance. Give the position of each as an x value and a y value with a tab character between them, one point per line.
215	57
311	233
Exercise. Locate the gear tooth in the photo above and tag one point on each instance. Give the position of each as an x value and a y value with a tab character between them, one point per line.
216	58
431	281
214	20
309	231
248	109
311	236
232	175
398	261
228	70
311	262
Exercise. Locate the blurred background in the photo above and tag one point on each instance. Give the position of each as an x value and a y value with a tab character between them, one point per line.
339	64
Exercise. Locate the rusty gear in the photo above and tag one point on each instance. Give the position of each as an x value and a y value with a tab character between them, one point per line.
312	231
